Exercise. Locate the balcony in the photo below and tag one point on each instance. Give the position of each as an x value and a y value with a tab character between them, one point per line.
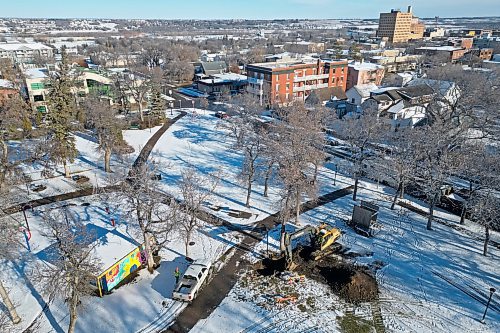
310	87
253	80
311	77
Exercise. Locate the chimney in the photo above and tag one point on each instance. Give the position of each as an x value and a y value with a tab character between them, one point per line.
409	9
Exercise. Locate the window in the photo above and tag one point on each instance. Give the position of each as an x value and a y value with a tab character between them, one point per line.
37	86
38	98
41	109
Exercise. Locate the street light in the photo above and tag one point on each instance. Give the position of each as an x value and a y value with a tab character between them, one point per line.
492	291
335	177
25	217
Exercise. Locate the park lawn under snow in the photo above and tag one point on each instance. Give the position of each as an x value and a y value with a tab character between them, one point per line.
89	162
127	309
415	293
199	141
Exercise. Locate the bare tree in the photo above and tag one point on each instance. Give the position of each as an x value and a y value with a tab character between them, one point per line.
195	191
14	116
361	134
297	142
137	83
9	249
486	211
102	118
74	265
148	207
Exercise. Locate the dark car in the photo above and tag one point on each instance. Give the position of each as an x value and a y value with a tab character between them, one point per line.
221	115
37	187
79	179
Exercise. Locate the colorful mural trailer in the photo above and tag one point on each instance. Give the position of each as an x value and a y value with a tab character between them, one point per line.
119	271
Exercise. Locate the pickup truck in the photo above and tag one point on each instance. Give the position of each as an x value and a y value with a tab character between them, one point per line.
192	280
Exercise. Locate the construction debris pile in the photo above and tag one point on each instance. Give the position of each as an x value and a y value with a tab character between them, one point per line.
353	284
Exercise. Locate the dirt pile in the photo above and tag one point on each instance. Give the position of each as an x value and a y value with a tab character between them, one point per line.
352	283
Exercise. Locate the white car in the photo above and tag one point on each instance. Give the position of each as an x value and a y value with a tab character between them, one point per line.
190	283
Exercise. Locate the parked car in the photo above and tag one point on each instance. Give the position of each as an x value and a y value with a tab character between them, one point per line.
37	187
221	115
79	179
191	282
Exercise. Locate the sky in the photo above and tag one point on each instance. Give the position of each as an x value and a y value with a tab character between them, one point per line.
245	9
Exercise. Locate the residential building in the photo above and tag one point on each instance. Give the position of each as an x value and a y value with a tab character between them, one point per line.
434	33
284	82
358	94
205	70
37	88
465	43
395	26
220	84
363	73
451	52
7	90
25	52
305	47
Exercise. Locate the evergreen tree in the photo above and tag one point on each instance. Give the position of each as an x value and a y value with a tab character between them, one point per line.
62	107
158	104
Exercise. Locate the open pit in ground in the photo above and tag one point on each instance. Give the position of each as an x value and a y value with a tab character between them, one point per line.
352	283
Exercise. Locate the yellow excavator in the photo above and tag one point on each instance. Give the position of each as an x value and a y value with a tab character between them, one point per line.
323	238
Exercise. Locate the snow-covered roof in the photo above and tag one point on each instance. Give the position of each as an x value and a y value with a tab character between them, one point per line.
36	73
224	78
365	89
440	48
365	66
6	84
23	46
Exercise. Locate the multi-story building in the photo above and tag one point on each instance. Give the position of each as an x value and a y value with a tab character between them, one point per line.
434	33
283	82
24	52
396	25
453	53
305	47
417	29
398	63
363	73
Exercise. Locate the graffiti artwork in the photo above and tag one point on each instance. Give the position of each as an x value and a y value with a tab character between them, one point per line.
119	271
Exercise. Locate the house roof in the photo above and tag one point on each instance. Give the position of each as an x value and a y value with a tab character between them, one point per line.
213	67
441	86
326	94
382	98
365	89
6	84
416	91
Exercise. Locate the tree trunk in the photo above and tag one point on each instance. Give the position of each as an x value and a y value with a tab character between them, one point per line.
297	207
67	172
107	160
73	314
10	307
431	211
315	172
486	240
149	252
249	190
395	198
5	152
141	113
355	192
462	214
282	236
402	192
188	240
266	180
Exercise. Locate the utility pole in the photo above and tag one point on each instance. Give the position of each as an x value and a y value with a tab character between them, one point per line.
26	218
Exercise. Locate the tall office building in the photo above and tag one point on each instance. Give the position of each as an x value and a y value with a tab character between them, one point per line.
396	25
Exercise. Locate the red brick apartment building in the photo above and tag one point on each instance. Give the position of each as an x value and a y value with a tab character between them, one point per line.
283	82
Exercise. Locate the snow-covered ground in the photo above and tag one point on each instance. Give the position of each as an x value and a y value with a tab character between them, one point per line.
416	293
421	283
128	308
